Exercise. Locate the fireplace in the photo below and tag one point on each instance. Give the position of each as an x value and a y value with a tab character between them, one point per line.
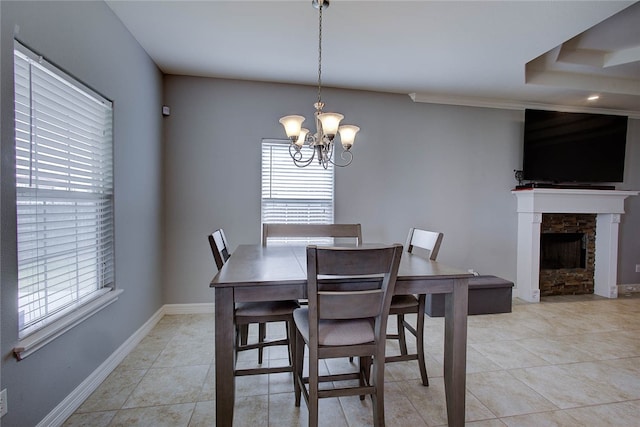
605	205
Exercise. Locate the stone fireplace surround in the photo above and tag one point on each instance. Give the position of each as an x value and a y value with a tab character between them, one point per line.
608	205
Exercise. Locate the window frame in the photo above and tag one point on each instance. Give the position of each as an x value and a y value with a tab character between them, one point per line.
44	190
285	185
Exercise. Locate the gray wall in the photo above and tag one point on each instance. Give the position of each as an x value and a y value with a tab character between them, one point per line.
629	246
441	167
89	42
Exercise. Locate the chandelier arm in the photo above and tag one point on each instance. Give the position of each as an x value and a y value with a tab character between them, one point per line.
296	156
348	159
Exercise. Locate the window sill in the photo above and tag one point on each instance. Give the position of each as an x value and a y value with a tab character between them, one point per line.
44	336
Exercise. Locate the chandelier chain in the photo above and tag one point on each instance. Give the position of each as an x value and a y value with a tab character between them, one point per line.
320	54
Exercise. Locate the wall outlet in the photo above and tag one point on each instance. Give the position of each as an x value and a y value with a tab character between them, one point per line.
637	268
3	402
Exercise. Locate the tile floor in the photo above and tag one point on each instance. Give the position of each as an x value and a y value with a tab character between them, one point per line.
568	361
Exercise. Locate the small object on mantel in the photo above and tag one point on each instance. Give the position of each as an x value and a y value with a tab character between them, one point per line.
519	175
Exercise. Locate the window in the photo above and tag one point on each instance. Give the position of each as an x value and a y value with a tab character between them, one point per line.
64	192
291	194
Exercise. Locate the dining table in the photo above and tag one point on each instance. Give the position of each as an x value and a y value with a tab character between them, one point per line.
279	272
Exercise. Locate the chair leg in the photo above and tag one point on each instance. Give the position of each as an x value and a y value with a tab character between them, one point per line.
298	363
377	399
262	334
420	341
291	339
402	340
365	372
312	404
244	334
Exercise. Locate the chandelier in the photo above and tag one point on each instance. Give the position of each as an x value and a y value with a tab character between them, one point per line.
327	124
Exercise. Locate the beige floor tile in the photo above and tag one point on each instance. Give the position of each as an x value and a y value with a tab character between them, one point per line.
251	385
592	343
477	362
278	351
330	413
250	357
409	370
113	392
145	353
185	352
166	328
546	419
154	416
621	375
93	419
486	423
573	385
623	414
164	386
430	402
283	412
251	411
509	354
504	395
209	387
555	350
281	383
204	414
399	411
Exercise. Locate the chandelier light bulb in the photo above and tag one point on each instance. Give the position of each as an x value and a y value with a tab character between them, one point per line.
302	137
330	123
292	126
348	135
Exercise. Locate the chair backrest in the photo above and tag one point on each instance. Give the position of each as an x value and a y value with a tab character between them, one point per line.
219	247
363	285
426	240
311	230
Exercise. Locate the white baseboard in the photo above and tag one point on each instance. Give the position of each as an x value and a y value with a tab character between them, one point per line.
628	288
72	402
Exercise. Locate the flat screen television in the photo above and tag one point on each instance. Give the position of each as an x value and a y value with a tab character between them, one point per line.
581	148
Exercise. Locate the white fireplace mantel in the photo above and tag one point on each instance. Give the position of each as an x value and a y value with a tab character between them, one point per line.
532	203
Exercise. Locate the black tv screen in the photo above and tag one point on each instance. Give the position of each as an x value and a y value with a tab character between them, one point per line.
564	147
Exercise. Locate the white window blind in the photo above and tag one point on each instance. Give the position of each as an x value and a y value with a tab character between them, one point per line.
64	192
291	194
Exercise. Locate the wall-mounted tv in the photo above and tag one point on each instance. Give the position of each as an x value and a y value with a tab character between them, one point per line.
564	147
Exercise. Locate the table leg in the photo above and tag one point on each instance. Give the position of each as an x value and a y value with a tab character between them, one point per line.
225	356
455	351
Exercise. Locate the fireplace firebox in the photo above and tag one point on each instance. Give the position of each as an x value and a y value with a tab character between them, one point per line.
562	250
567	253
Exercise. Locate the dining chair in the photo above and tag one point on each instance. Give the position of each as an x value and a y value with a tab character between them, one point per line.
346	316
336	231
423	243
247	313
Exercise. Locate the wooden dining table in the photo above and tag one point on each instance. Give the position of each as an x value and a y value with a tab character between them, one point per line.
275	273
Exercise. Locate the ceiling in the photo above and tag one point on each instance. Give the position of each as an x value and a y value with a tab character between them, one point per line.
506	54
